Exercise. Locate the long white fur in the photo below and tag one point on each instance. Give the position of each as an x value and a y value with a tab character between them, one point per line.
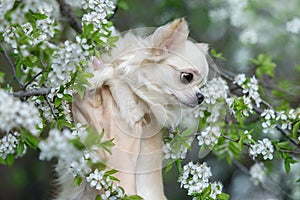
142	76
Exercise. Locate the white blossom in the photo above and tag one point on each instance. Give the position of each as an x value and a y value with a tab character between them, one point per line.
293	26
239	79
17	114
252	90
215	89
248	36
263	147
96	179
257	173
66	59
268	114
170	152
8	144
209	136
249	108
79	167
112	191
218	14
216	188
57	144
98	12
238	15
5	6
195	177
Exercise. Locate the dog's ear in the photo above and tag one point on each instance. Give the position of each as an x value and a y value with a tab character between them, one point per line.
170	36
101	72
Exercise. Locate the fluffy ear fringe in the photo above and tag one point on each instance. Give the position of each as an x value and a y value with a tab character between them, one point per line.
101	73
170	36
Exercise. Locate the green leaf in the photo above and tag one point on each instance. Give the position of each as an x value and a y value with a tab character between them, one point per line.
206	192
77	180
31	140
123	4
169	167
77	143
264	65
2	77
33	17
10	158
112	39
217	55
20	149
179	166
110	172
283	145
288	160
132	197
296	130
298	181
229	159
57	102
68	98
298	68
223	196
81	82
98	197
187	132
106	145
2	161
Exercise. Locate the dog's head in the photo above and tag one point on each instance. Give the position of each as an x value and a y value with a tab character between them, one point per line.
164	68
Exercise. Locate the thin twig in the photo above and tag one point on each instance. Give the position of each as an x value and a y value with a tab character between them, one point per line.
51	107
67	11
34	92
32	79
11	64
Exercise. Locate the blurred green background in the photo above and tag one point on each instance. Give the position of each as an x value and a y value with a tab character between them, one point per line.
222	25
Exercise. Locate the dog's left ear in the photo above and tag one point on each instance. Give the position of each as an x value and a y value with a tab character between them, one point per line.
170	36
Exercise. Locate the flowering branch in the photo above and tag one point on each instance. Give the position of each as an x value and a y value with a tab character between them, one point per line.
11	64
33	92
67	11
230	77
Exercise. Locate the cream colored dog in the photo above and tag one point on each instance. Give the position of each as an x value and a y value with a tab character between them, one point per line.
143	85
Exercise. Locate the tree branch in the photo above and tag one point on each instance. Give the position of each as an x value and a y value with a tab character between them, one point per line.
67	11
11	64
33	92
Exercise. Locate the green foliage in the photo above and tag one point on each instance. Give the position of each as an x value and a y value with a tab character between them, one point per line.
264	65
1	77
123	4
33	17
94	138
81	82
283	148
77	180
223	196
231	145
217	55
296	130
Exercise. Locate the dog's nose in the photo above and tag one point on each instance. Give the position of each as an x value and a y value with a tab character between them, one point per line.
200	97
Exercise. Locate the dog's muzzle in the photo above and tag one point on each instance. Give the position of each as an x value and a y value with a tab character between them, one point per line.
200	97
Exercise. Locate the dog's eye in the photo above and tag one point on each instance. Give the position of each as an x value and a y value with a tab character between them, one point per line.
186	77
